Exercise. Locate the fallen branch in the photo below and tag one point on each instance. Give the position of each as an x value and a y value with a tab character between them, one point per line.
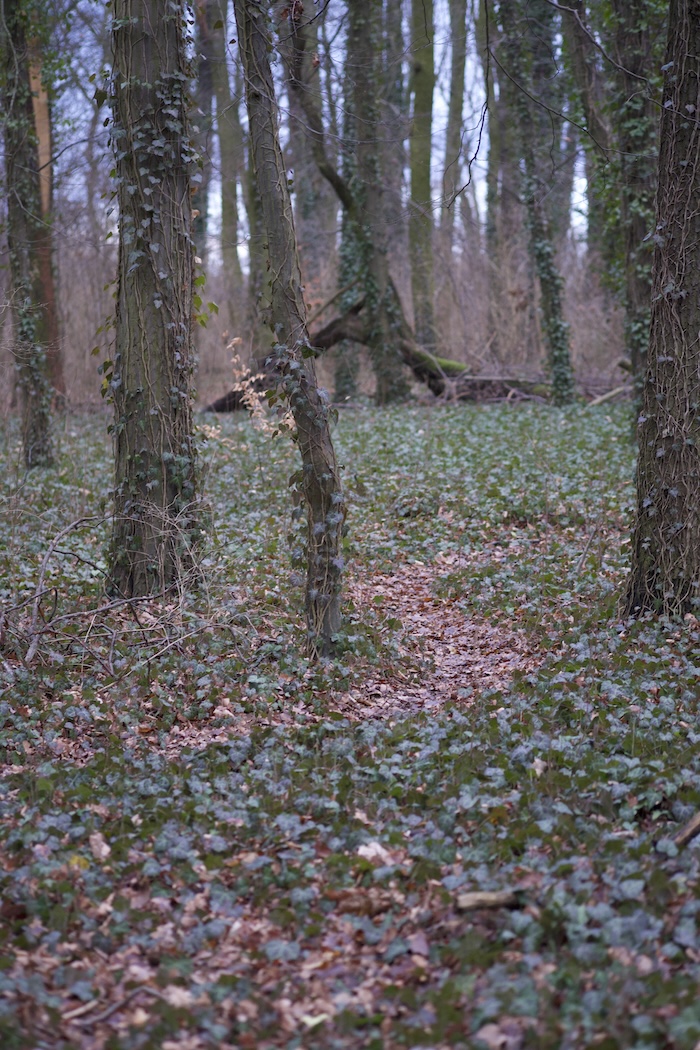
624	389
687	833
490	899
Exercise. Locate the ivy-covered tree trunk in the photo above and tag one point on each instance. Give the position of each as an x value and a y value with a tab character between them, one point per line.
420	219
319	480
369	212
26	235
636	43
155	513
555	328
665	574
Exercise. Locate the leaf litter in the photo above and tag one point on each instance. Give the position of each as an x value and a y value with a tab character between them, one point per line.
459	835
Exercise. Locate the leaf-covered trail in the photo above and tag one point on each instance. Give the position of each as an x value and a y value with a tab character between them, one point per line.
462	654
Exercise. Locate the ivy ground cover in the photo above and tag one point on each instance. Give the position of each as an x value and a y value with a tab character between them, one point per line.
207	842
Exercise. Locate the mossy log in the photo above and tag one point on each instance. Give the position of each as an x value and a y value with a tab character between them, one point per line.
441	375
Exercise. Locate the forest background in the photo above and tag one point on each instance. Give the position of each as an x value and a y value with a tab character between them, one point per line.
474	825
446	126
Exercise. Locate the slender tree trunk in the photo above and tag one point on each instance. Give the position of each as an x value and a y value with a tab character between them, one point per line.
319	477
362	196
554	145
485	31
583	58
44	136
203	120
155	519
394	115
315	204
231	156
420	225
554	326
27	238
452	177
665	574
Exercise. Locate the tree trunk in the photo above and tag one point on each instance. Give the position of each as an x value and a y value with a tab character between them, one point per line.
27	235
230	134
452	177
155	523
395	123
319	479
583	58
636	126
364	67
361	196
202	127
554	326
44	138
420	221
315	204
665	574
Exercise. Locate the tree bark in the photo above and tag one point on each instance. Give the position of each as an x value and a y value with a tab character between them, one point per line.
541	244
319	479
369	208
636	127
155	515
44	136
202	127
230	135
315	204
27	238
584	64
452	177
420	222
665	574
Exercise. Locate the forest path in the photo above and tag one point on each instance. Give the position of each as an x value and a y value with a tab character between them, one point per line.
464	655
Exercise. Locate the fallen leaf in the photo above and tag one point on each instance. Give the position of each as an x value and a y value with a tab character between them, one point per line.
100	849
374	850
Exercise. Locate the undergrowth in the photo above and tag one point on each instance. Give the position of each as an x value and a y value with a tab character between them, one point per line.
200	850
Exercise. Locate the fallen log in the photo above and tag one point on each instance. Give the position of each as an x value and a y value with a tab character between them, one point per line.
441	375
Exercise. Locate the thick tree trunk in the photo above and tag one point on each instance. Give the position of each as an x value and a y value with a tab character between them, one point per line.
319	479
155	517
665	575
364	66
27	238
420	221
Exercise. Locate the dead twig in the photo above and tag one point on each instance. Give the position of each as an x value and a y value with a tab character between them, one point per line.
34	633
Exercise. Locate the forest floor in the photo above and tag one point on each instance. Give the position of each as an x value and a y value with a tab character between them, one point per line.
459	833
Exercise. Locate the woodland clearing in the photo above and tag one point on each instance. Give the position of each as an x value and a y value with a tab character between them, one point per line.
460	833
